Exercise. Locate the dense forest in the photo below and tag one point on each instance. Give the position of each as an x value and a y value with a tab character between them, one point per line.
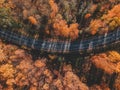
23	68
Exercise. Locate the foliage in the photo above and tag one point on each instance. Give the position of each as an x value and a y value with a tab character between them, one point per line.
61	19
60	25
7	20
109	62
20	71
108	21
7	71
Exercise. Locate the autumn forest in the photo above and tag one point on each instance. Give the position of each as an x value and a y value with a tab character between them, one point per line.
33	65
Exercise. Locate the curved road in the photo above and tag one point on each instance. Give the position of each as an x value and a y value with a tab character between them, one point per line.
62	46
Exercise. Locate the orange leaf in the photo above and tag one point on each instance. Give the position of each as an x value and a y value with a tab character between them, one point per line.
87	15
32	20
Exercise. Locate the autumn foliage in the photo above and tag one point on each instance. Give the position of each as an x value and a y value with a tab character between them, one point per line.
32	20
60	26
109	62
19	71
59	19
107	22
62	29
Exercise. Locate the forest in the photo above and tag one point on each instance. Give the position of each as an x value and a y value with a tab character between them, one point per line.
44	45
